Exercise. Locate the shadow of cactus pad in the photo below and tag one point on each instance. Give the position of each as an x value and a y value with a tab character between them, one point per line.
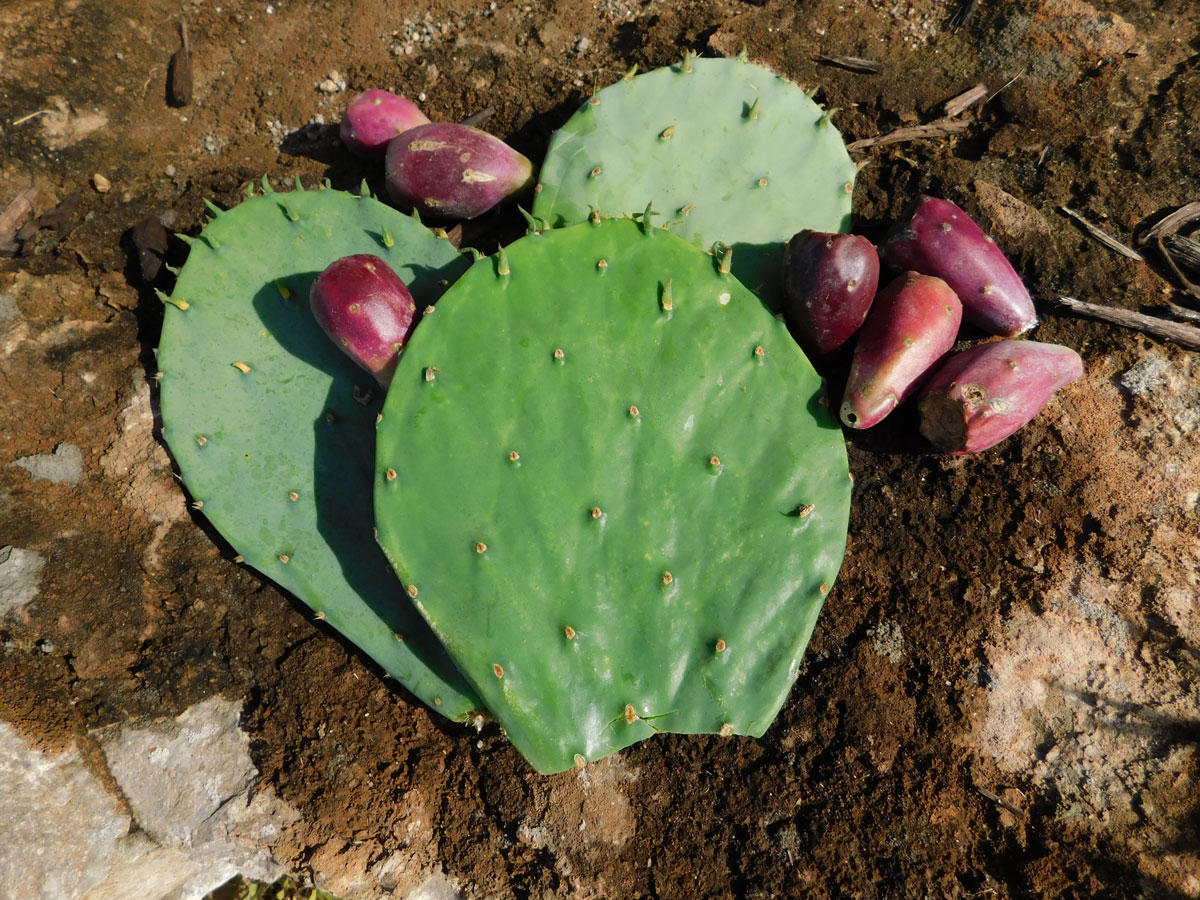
608	477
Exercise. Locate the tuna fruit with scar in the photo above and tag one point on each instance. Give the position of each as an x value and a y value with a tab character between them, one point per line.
453	171
983	395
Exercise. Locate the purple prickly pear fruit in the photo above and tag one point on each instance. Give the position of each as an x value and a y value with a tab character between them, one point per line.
911	325
829	281
367	310
454	171
982	395
940	239
373	118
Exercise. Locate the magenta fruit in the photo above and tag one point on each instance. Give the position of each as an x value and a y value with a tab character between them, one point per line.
911	326
983	395
940	239
373	118
367	310
829	281
453	171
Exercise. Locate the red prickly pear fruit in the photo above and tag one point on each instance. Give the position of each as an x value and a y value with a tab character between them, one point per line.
829	281
940	239
982	395
911	326
453	171
373	118
367	310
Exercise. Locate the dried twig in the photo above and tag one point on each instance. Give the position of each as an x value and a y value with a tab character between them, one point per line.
1103	236
1181	312
956	106
1184	282
940	128
1185	335
1170	224
851	63
999	801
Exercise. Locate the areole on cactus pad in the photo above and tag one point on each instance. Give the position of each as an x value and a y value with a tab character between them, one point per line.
610	481
725	150
273	427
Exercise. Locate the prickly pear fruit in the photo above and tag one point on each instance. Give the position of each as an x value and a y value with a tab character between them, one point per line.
911	326
940	239
982	395
454	171
373	118
829	281
367	310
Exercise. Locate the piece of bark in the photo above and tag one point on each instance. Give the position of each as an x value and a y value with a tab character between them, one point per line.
150	239
17	210
52	218
179	71
1185	335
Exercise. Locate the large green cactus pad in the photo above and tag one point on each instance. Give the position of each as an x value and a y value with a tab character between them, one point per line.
609	478
260	411
729	150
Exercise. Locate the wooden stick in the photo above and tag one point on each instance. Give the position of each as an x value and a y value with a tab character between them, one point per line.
1185	335
1103	236
851	63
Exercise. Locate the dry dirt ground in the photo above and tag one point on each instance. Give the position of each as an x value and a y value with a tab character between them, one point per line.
1001	696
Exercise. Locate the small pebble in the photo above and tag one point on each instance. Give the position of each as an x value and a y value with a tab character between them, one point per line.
582	47
102	184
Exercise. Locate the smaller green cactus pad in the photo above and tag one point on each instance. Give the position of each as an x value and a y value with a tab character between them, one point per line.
609	478
725	150
273	428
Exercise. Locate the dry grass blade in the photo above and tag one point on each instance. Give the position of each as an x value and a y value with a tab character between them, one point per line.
940	128
1185	335
1102	236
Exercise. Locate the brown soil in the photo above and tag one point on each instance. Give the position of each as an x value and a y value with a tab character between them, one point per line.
1000	700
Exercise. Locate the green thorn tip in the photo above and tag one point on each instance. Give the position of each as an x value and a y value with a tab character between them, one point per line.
502	268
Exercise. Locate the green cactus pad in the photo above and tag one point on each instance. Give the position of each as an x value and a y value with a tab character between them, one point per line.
618	496
724	149
271	425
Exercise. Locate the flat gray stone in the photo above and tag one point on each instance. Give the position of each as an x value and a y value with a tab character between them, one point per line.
20	571
8	308
63	833
65	464
177	774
